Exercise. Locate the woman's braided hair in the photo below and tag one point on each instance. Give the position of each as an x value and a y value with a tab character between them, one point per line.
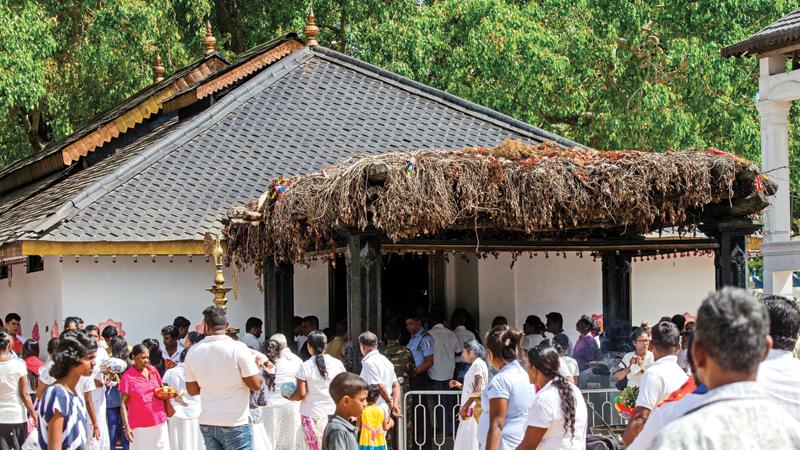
317	341
546	360
272	350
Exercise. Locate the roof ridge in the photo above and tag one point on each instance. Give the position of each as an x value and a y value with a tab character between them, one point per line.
451	100
193	126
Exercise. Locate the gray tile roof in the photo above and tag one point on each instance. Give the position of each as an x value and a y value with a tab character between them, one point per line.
783	32
311	109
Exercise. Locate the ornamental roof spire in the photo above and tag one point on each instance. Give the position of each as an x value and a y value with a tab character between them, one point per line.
158	70
312	30
210	41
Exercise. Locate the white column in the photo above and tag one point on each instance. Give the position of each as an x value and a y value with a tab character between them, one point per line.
778	283
775	163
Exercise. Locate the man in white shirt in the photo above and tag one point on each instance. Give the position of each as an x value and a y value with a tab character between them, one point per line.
730	340
445	347
663	378
779	374
252	333
463	335
377	369
172	345
224	371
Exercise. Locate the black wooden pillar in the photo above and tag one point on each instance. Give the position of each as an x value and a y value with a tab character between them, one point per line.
616	300
363	260
278	284
730	259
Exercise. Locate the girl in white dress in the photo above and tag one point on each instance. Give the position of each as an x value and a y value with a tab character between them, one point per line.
474	381
183	426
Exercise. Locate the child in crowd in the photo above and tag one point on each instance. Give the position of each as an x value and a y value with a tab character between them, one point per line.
373	423
349	392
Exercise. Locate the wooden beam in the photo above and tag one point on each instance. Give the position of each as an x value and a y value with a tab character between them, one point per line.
44	248
523	246
617	319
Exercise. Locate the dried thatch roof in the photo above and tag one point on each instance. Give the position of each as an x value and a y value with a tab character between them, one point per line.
534	191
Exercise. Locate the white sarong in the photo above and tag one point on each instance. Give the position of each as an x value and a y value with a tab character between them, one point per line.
283	428
184	434
150	438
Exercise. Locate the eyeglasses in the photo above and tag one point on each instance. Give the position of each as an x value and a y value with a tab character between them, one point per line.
643	341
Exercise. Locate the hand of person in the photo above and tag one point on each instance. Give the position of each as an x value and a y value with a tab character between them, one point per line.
128	434
396	411
463	413
35	419
636	360
96	431
454	384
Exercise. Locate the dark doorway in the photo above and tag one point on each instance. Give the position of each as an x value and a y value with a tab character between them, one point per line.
405	288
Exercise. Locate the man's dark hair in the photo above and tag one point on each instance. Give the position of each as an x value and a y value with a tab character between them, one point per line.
458	318
194	337
13	316
69	321
170	331
679	321
313	320
368	339
392	331
214	316
109	332
556	317
253	322
665	336
732	328
437	316
91	327
499	320
341	328
346	384
784	321
181	322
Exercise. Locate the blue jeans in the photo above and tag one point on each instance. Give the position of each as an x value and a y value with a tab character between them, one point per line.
114	420
227	438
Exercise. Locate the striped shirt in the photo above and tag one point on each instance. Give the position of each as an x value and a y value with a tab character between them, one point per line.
73	408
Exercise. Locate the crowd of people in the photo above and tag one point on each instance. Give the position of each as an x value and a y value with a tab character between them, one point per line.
727	380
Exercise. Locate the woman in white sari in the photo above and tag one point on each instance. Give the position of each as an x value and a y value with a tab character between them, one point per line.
281	416
474	382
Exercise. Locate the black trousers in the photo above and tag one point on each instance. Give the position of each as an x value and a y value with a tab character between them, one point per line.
13	435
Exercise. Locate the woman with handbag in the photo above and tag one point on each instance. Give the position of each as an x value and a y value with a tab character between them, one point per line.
474	380
144	414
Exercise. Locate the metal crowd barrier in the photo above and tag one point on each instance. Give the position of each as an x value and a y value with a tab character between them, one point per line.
412	433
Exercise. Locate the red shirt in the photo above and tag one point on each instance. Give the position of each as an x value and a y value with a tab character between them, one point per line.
144	409
16	345
33	364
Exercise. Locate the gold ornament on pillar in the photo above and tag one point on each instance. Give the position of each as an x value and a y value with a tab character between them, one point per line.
311	31
212	245
209	42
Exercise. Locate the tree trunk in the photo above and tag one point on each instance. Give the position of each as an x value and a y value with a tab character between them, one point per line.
229	22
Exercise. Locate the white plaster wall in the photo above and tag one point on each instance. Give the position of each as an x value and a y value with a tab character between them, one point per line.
666	287
311	291
572	286
34	296
495	290
146	296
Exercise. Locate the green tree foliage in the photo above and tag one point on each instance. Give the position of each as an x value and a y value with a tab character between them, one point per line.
613	74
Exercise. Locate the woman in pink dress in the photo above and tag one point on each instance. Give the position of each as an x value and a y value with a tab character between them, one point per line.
143	414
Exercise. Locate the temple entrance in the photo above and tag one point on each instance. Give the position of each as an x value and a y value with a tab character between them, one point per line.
405	288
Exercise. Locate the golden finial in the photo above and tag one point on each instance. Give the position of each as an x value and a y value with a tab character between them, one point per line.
210	41
312	30
158	70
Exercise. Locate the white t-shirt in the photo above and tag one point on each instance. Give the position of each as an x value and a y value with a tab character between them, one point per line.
218	364
568	367
532	340
85	384
377	369
779	374
661	417
662	379
635	375
318	401
176	378
12	410
445	347
175	357
285	372
463	335
545	412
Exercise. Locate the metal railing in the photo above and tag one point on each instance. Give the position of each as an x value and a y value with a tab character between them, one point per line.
413	431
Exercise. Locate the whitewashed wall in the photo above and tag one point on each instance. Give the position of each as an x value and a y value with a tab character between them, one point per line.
34	296
666	287
311	291
145	296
